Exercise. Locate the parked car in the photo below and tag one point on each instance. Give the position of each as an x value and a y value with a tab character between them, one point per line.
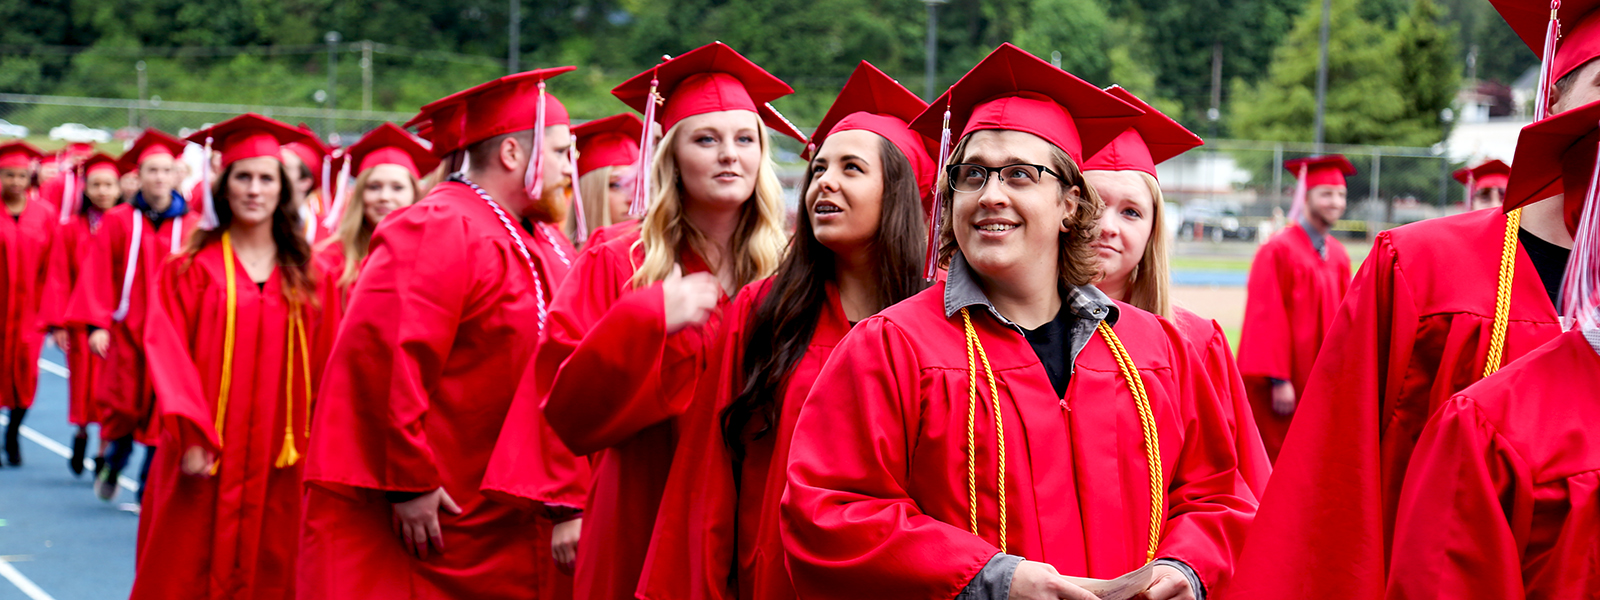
1215	223
78	132
8	129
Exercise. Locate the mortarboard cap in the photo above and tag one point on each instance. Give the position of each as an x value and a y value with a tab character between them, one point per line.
102	162
1329	169
390	145
153	142
710	78
609	142
18	155
1153	139
873	101
1492	174
505	105
1556	156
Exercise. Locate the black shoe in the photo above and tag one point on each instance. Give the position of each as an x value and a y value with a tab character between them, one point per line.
80	445
13	446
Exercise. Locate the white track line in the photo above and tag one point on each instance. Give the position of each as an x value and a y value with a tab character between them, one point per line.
55	446
22	582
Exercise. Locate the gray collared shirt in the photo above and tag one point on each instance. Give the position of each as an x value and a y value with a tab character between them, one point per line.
1319	240
1087	303
1593	335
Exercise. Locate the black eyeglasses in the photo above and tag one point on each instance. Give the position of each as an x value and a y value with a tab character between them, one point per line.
966	177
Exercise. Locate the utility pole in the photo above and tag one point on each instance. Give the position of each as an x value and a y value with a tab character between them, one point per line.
930	87
333	81
138	67
1214	114
1322	74
515	46
366	76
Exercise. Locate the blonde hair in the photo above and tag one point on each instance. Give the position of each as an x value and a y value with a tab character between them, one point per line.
758	241
355	231
596	188
1149	286
1076	261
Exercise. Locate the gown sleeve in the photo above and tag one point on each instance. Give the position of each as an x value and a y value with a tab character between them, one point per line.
1266	339
95	296
185	409
1467	492
1254	465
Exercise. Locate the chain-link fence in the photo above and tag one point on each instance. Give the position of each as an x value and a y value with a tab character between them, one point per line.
54	120
1234	186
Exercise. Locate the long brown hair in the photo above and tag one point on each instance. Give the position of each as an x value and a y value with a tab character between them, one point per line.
782	326
1076	262
294	254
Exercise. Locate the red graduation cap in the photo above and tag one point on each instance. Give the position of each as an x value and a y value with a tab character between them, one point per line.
1556	156
1329	169
1013	90
1492	174
390	145
873	101
100	161
310	150
508	104
710	78
18	155
153	142
1577	42
609	142
1153	139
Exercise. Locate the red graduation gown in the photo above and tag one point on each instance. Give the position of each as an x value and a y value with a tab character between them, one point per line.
601	235
1414	330
718	526
438	328
1291	299
1502	499
126	401
24	247
877	504
72	244
1205	336
229	535
613	384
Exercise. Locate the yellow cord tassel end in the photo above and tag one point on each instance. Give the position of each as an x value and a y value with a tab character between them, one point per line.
289	456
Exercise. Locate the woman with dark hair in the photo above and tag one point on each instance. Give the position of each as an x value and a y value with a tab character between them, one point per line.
73	239
236	342
1013	424
857	249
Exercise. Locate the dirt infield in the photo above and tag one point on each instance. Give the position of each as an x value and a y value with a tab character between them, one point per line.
1225	304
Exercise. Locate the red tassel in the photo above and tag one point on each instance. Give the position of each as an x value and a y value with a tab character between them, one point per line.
1580	291
1552	33
1299	206
936	216
647	154
533	182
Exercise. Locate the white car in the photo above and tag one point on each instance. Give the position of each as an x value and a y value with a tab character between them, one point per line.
8	129
77	132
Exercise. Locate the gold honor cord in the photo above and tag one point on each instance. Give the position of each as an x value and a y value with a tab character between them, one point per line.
295	331
1152	442
231	280
975	352
1147	421
1502	299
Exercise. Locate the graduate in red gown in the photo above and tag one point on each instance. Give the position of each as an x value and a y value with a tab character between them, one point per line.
629	331
1485	184
26	231
388	164
440	324
234	356
608	170
1437	306
857	250
911	475
309	162
1297	280
100	194
115	282
1134	246
1511	461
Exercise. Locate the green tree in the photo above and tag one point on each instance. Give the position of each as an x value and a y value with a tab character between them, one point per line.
1364	104
1429	74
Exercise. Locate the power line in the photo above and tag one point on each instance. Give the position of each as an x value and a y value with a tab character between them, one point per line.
225	51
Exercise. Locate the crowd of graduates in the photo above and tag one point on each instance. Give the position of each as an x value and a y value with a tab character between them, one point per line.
512	355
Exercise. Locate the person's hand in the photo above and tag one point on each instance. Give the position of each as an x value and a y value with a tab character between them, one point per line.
416	521
197	461
564	543
689	299
59	336
1170	584
99	342
1283	400
1040	581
